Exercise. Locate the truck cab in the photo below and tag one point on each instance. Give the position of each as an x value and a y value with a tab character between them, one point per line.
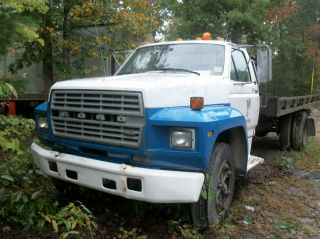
173	125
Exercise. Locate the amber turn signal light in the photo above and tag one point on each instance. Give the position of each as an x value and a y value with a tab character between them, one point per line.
196	103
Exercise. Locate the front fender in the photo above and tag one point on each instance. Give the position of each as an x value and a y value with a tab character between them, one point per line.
209	123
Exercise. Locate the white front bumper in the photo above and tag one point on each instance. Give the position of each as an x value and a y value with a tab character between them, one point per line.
159	186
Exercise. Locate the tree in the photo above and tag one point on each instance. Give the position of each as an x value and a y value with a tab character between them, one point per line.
296	43
240	21
290	27
19	22
114	25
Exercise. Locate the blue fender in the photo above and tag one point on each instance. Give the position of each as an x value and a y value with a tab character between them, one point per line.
214	118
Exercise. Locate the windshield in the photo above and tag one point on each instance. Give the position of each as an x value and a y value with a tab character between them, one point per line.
179	58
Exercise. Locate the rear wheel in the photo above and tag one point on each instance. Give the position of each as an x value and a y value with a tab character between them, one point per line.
300	130
215	201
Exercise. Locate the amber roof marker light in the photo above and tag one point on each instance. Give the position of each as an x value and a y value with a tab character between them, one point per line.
196	103
206	36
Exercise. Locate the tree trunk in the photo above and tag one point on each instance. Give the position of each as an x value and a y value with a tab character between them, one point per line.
47	62
66	37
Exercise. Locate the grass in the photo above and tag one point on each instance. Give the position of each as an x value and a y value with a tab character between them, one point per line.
309	159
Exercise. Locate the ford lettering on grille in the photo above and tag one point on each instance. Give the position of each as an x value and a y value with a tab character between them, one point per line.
106	117
81	115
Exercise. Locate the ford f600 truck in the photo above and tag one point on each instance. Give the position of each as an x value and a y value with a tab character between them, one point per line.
174	125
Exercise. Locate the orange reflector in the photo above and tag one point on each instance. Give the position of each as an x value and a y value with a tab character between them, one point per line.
210	133
196	103
206	36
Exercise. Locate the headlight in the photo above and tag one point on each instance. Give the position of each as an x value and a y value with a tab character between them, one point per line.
183	138
43	122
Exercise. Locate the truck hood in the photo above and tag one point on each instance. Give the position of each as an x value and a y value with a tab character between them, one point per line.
158	89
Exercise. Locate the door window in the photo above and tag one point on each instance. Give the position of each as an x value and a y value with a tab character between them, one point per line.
239	68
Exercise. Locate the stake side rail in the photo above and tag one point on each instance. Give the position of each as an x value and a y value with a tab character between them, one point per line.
279	106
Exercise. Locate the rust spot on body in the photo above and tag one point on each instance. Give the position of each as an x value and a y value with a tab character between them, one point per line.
248	101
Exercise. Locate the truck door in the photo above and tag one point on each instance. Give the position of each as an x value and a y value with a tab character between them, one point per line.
244	94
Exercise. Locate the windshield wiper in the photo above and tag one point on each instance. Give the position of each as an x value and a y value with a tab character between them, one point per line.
177	69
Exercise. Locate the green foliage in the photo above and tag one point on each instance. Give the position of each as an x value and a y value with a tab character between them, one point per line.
70	220
134	233
233	19
74	31
18	83
291	28
287	163
291	228
7	91
19	22
9	88
26	197
185	231
308	159
207	191
14	130
22	193
296	47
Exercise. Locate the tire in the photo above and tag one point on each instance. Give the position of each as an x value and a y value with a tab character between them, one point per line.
285	129
299	130
218	187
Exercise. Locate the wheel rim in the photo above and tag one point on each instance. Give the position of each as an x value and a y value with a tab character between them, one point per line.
224	188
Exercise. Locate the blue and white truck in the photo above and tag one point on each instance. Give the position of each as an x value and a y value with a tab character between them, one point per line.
173	125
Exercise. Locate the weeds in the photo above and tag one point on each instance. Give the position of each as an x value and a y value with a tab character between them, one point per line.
307	159
176	228
26	197
287	163
71	219
291	228
22	191
133	233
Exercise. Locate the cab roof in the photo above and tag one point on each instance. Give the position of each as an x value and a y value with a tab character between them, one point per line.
213	42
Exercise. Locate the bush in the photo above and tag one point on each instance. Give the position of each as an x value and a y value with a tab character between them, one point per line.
16	134
22	190
26	196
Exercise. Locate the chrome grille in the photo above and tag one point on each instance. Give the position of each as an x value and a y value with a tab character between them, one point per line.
124	103
108	117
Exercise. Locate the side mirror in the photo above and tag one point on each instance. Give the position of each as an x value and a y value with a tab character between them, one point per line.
264	64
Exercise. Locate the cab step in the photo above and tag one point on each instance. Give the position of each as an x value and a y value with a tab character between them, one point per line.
253	161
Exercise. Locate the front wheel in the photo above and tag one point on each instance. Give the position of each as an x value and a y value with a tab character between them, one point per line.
217	193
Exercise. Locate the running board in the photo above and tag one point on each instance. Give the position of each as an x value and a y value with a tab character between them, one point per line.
254	161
